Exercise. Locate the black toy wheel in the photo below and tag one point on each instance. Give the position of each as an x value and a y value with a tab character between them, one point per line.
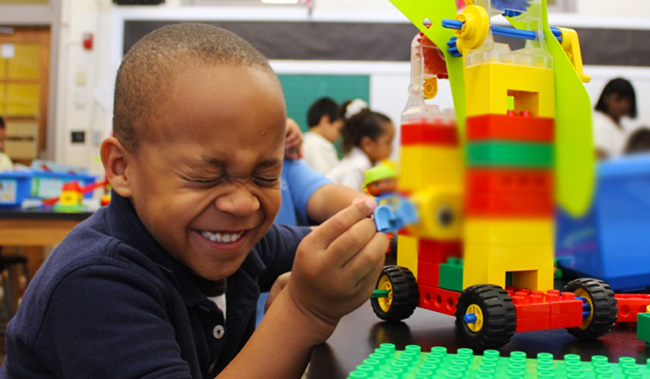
485	317
403	294
599	302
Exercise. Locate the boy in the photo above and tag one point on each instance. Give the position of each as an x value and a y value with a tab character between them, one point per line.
138	290
5	162
325	126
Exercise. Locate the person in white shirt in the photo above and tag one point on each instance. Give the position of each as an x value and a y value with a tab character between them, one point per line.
617	100
5	162
367	140
325	123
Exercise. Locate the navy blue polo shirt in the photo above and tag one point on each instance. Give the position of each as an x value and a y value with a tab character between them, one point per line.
111	303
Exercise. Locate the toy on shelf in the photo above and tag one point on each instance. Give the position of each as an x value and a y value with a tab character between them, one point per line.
393	211
71	197
486	182
413	363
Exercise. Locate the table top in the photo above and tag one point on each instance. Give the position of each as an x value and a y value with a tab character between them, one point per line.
360	332
41	213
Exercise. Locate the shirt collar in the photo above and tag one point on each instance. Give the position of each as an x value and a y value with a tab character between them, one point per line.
125	225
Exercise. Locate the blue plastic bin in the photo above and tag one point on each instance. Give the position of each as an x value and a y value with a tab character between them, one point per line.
612	241
14	187
47	185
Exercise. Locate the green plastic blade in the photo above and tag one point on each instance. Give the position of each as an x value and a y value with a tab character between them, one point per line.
574	148
574	151
436	11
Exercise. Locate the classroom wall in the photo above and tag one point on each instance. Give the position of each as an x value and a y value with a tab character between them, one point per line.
87	107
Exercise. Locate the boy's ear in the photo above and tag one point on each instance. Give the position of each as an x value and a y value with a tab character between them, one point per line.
114	159
324	120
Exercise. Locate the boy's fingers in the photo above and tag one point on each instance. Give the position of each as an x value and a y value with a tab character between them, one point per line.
370	259
351	242
342	221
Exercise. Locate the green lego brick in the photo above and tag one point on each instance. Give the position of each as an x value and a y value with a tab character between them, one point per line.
451	275
510	154
643	327
412	363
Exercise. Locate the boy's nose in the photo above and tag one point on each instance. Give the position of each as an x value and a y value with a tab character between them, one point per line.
240	202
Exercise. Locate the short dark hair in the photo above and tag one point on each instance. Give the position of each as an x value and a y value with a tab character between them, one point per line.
366	123
149	66
324	106
2	123
622	88
639	141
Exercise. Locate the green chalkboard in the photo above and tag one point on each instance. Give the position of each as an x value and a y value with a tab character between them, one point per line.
300	91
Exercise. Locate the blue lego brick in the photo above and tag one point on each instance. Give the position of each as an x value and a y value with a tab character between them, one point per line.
412	363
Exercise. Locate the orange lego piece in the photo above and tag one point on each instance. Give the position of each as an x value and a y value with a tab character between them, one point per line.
499	205
438	299
511	127
425	132
629	305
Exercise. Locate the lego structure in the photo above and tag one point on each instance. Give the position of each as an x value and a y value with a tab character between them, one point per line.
413	363
487	178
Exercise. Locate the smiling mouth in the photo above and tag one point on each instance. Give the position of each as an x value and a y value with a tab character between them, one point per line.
222	237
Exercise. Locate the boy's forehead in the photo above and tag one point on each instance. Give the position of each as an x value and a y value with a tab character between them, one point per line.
216	99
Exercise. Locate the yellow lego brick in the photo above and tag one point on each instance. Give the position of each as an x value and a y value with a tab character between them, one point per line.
533	89
441	213
509	232
532	266
422	166
407	253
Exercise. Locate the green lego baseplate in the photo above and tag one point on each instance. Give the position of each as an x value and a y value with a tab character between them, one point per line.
412	363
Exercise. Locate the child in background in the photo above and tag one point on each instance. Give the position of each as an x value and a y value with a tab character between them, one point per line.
367	140
617	100
5	162
639	141
325	125
163	283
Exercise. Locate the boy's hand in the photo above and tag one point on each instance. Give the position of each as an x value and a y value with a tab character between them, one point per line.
337	266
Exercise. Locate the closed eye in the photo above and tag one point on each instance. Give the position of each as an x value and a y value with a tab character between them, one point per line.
267	181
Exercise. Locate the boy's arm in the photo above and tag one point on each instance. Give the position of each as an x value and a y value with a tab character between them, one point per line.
329	199
335	271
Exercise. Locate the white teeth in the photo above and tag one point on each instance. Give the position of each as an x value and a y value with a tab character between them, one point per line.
221	237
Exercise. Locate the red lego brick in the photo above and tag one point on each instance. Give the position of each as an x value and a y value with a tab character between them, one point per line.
436	251
567	321
533	324
510	181
510	127
629	305
428	273
425	132
502	205
540	311
438	299
531	306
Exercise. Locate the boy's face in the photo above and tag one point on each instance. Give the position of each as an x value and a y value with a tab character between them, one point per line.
333	130
206	178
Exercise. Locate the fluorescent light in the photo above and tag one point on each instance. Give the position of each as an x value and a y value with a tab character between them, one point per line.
280	1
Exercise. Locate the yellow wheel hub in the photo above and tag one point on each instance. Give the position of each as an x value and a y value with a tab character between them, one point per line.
478	325
475	30
584	294
385	302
